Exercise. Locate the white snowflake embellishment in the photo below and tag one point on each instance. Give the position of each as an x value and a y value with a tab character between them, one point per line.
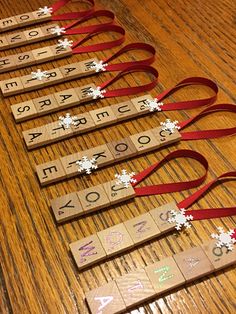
58	30
153	105
67	120
39	75
125	178
98	67
224	238
86	164
45	10
180	219
169	125
97	92
65	43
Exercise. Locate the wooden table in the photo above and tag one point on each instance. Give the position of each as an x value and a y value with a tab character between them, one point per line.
38	275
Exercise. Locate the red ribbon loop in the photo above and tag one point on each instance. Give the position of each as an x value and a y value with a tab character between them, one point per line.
189	104
71	15
170	187
101	46
90	28
209	213
208	134
130	90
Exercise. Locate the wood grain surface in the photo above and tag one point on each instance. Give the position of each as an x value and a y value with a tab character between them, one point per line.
37	272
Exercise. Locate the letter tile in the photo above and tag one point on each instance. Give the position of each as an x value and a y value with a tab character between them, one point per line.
16	39
4	44
193	263
60	52
7	63
69	164
115	239
220	257
162	214
87	66
118	193
71	71
83	92
46	30
166	137
30	83
101	154
11	86
43	54
165	275
105	299
50	172
83	123
139	103
33	35
25	19
54	76
122	149
87	251
93	198
66	207
46	104
23	110
103	116
36	137
24	59
67	98
58	132
124	110
142	228
8	23
145	141
41	16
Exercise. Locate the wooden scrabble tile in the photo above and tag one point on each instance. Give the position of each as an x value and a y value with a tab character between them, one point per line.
165	275
118	193
24	59
145	141
69	164
60	52
166	136
67	98
135	287
93	198
66	207
101	153
30	83
24	110
41	16
54	76
11	86
50	172
16	39
83	92
122	149
58	132
46	30
193	263
83	123
7	63
219	257
87	251
87	66
115	239
142	228
8	23
34	34
105	299
36	137
71	71
162	214
43	54
124	110
140	102
103	116
4	43
46	104
25	19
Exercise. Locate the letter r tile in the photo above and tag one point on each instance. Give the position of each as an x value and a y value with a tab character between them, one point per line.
87	251
105	299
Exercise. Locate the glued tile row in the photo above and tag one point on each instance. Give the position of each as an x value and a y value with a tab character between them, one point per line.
106	154
29	36
83	123
64	73
141	285
121	237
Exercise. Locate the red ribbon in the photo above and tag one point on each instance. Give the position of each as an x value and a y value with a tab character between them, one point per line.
71	15
170	187
207	134
209	213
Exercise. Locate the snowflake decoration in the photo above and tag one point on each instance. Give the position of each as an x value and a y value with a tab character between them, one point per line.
224	238
97	92
45	10
58	30
180	219
153	105
125	178
169	125
39	75
65	43
67	120
86	164
98	67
